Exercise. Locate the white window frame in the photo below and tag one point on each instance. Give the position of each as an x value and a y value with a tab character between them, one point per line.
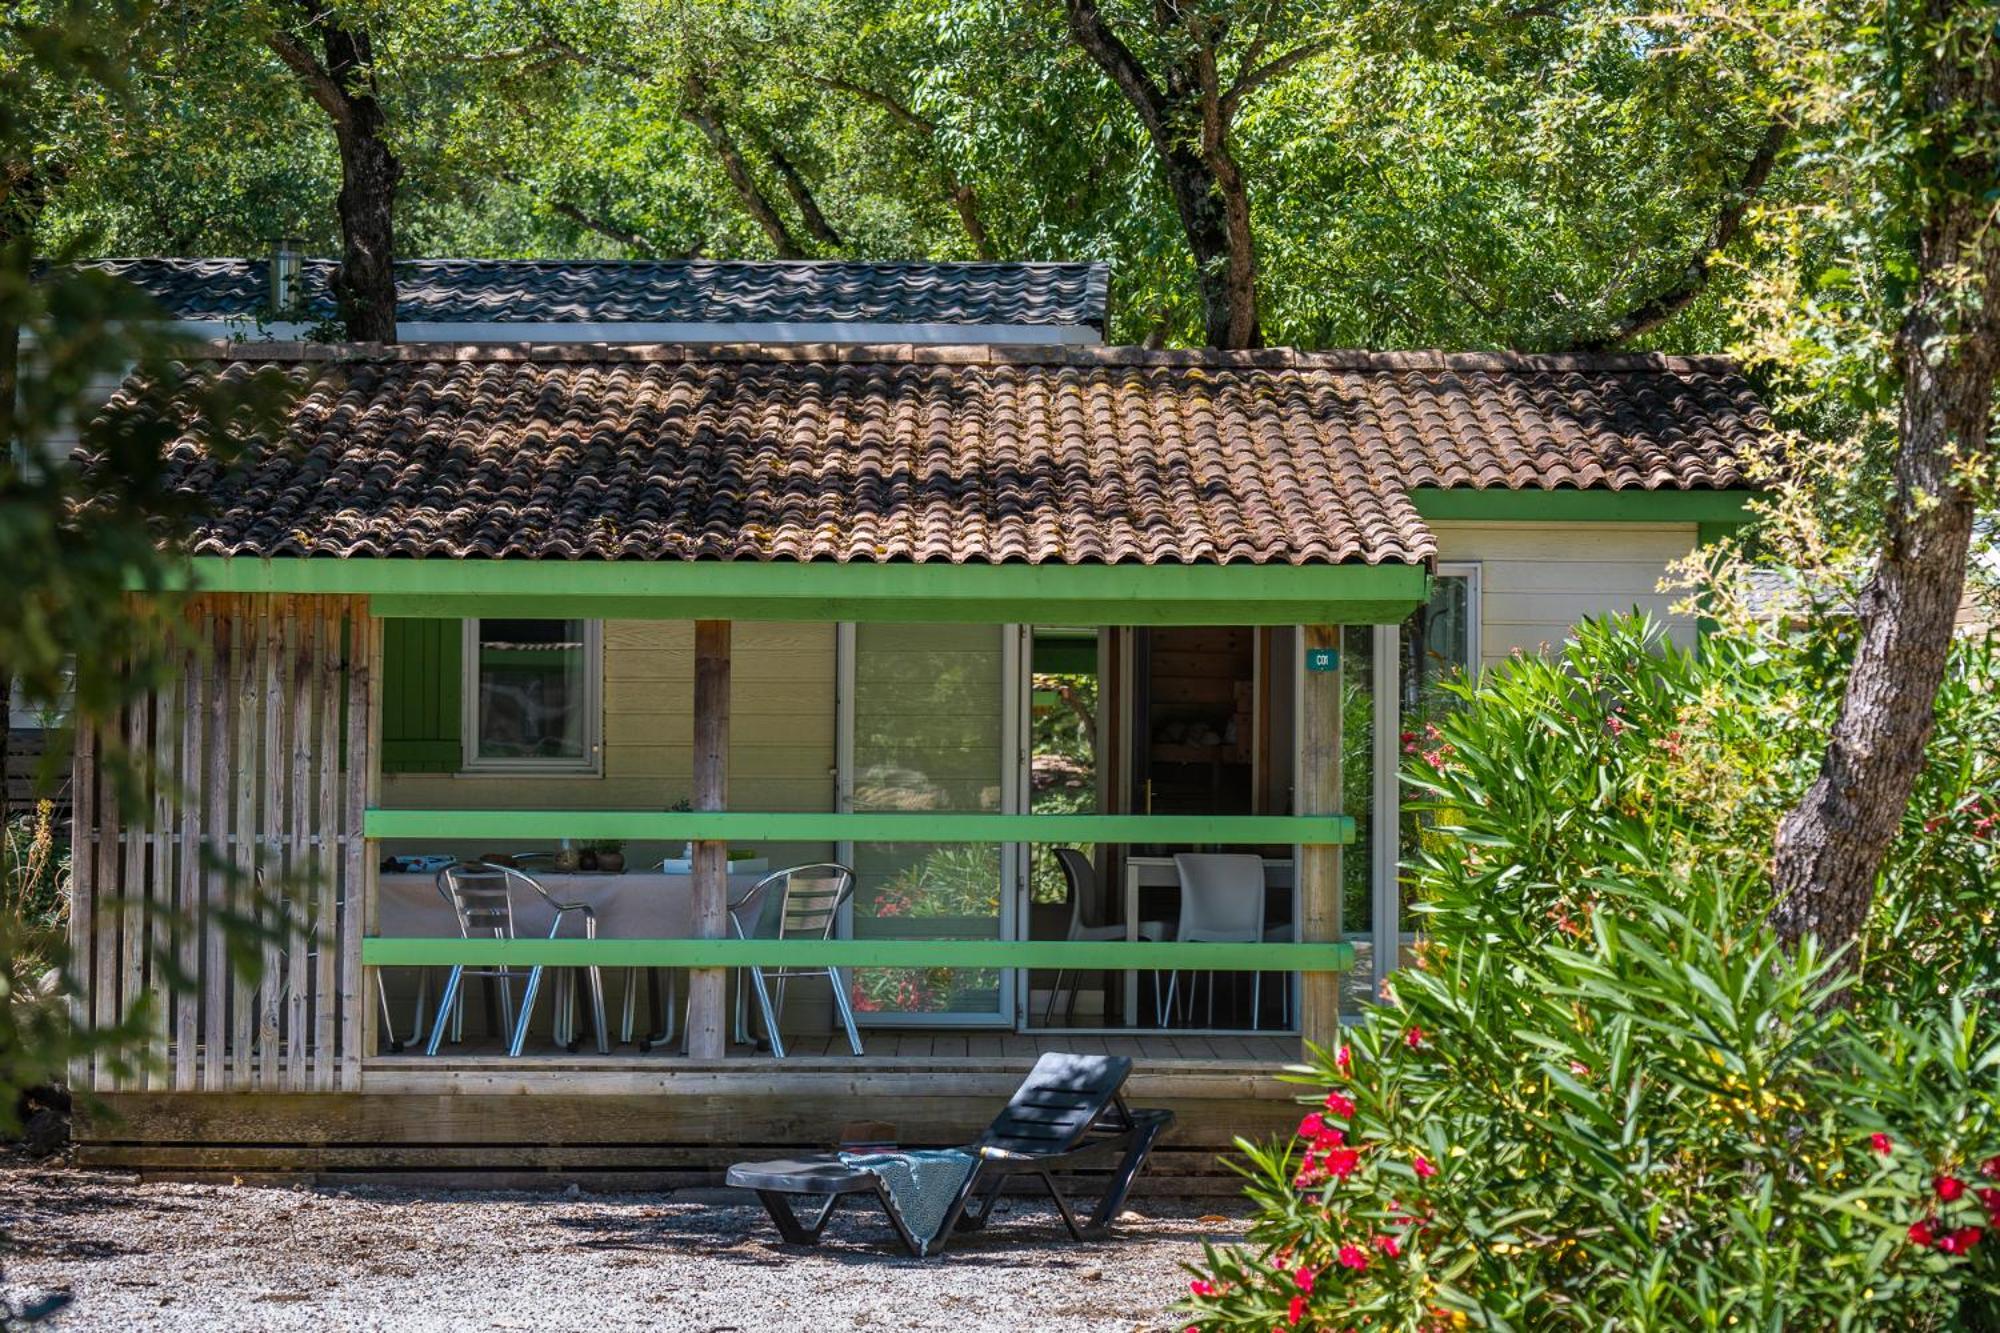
1470	571
592	762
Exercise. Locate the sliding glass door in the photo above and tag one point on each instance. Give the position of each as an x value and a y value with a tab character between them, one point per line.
929	719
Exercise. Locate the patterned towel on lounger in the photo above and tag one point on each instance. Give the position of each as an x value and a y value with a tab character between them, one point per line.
922	1185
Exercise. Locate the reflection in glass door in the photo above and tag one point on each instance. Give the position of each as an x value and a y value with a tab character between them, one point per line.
927	721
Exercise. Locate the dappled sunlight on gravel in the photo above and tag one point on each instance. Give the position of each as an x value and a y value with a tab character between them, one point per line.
210	1257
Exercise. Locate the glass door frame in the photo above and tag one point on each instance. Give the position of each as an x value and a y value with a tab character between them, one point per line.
1013	800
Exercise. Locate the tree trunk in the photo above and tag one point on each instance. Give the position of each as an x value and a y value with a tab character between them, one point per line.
344	86
365	286
1829	850
1188	121
695	109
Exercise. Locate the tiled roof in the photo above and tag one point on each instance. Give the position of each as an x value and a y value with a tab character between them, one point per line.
458	291
1076	455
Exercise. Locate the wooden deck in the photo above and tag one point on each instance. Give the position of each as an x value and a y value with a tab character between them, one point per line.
660	1120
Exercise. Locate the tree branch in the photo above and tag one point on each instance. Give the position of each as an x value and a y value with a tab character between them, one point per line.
694	109
319	85
898	110
802	195
1728	221
626	237
1118	63
963	197
1250	80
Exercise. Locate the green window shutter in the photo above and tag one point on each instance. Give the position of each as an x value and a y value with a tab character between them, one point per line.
422	683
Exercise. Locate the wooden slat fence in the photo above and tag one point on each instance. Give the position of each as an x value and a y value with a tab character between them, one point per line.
257	767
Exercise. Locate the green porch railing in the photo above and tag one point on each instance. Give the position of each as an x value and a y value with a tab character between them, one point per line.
1081	955
814	826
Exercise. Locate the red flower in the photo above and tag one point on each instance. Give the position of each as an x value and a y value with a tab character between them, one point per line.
1344	1061
1413	1038
1881	1143
1312	1126
1351	1257
1202	1287
1950	1188
1990	1168
1389	1245
1424	1169
1296	1311
1339	1105
1991	1198
1341	1162
1921	1234
1304	1279
1961	1240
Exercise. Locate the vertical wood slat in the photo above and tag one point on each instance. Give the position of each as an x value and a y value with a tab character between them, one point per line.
298	649
83	890
160	848
271	841
360	652
1320	866
371	860
708	986
215	804
187	1004
132	813
243	831
104	921
326	860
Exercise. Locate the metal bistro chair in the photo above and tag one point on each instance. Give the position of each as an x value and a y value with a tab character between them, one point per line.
808	909
482	898
1080	877
1222	902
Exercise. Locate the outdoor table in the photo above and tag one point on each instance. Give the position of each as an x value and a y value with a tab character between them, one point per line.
1156	872
630	905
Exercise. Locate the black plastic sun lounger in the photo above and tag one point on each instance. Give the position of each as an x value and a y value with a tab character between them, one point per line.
1069	1114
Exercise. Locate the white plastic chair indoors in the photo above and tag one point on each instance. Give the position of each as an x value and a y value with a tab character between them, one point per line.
811	897
1080	877
482	897
1222	902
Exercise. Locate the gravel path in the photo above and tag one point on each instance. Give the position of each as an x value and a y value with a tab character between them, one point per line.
214	1257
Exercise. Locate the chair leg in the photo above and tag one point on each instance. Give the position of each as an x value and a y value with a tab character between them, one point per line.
447	1009
628	1016
596	977
527	1011
1062	1205
1055	993
770	1017
846	1007
389	1019
1256	1000
779	1206
1113	1202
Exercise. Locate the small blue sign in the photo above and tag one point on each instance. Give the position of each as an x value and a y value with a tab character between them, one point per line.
1322	659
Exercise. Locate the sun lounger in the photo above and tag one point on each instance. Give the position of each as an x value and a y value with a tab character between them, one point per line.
1068	1115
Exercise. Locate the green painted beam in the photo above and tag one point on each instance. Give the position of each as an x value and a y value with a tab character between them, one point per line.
1236	594
1498	505
809	826
1101	955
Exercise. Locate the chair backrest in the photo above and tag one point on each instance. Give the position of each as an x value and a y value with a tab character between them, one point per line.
1222	895
810	900
1063	1096
482	897
1080	876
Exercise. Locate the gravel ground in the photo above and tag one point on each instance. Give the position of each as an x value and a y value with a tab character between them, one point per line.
212	1257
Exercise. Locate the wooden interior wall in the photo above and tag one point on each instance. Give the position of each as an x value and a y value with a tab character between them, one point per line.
256	767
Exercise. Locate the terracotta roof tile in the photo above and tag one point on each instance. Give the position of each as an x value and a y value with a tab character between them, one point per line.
1078	455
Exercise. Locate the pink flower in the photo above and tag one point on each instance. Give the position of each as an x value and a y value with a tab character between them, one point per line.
1990	1198
1921	1234
1413	1038
1343	1061
1423	1167
1389	1245
1202	1287
1339	1105
1312	1126
1961	1240
1990	1168
1303	1279
1340	1162
1881	1143
1295	1311
1950	1188
1351	1257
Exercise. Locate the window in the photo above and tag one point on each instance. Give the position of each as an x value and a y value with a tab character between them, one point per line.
531	695
1441	641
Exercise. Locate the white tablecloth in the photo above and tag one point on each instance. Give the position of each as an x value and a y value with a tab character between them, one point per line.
633	906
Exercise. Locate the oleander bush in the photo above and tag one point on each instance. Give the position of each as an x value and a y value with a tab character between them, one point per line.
1606	1098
